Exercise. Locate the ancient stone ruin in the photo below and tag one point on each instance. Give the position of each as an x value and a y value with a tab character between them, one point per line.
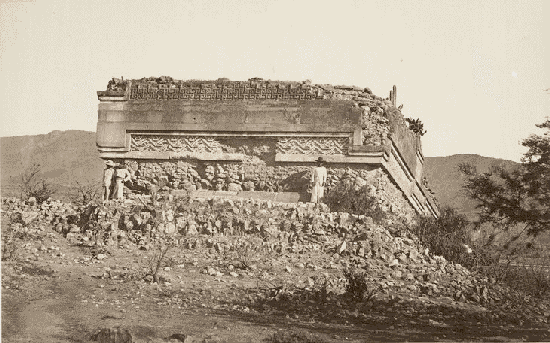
261	136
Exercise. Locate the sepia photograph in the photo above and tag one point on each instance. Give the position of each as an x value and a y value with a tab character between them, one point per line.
218	171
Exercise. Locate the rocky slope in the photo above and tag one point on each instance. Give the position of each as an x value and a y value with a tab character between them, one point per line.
318	263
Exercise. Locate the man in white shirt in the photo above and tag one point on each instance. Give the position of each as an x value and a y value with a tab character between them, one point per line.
121	175
108	176
318	181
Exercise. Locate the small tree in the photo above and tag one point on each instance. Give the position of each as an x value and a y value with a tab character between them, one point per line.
83	193
520	196
33	186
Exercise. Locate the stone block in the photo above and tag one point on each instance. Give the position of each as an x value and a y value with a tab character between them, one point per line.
397	274
233	187
191	229
170	228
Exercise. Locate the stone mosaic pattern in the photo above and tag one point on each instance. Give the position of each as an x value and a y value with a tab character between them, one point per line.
167	88
229	91
312	145
176	144
284	145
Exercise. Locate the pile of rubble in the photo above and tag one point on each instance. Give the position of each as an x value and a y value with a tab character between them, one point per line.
30	217
395	262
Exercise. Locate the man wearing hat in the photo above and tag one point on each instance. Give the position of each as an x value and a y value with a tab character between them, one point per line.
121	176
108	173
318	181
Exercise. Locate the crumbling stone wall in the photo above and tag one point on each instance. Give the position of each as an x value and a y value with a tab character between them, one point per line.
220	176
290	177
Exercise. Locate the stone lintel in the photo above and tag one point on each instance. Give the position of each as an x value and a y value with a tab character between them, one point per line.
112	98
109	149
223	134
373	158
276	197
164	155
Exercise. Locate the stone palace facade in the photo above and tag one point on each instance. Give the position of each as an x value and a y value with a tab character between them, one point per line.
258	135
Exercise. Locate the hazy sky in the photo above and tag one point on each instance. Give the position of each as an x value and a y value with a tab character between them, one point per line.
473	71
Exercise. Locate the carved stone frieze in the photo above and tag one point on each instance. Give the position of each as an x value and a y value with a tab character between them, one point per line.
284	145
312	145
212	92
176	144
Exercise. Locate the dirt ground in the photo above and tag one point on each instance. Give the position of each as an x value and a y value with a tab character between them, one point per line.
56	292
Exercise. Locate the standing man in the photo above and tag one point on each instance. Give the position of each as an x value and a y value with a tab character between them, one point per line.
318	181
121	175
108	174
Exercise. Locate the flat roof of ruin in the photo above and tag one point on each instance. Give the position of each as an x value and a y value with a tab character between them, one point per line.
318	91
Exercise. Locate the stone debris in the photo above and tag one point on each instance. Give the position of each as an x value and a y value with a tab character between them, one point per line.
342	247
242	231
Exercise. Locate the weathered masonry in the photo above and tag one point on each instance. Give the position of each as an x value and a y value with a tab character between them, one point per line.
258	135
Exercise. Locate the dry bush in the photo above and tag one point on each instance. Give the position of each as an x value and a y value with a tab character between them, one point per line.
446	236
345	197
357	288
160	258
532	280
83	193
31	185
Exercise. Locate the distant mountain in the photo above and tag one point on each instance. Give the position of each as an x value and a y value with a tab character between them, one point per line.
446	181
64	157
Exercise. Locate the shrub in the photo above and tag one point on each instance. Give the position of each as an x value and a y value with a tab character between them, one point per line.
85	193
160	258
346	197
357	288
446	236
534	280
531	280
33	186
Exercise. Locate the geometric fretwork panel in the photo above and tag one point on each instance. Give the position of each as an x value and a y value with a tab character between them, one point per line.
200	144
242	92
312	145
175	144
